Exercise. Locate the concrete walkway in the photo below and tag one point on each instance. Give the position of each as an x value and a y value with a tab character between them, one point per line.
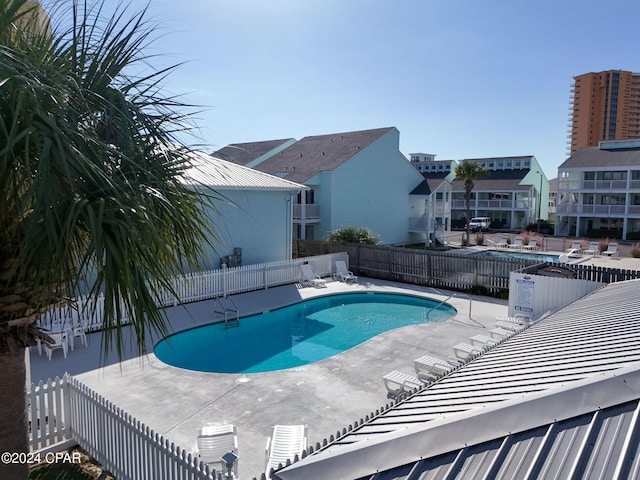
327	395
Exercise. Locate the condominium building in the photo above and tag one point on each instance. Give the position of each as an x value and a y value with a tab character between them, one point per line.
514	193
604	106
599	191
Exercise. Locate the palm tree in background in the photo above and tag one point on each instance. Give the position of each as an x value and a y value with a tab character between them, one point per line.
90	169
469	171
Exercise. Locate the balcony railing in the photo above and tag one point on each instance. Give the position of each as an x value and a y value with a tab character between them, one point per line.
311	211
604	185
492	204
597	210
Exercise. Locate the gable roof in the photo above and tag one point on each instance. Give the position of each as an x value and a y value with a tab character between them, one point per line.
595	157
497	180
432	180
245	153
532	382
321	153
220	175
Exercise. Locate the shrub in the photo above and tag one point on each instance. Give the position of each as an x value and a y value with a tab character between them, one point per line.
635	250
480	239
526	236
603	244
353	234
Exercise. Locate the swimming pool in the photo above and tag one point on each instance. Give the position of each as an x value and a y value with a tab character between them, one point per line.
298	334
540	257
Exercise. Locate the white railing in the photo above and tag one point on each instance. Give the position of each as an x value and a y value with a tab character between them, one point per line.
65	412
199	286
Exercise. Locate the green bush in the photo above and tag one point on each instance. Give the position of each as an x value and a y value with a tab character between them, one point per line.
353	234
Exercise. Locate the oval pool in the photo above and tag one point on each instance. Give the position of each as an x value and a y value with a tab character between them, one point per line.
298	334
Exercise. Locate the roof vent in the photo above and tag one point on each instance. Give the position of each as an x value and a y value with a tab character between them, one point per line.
300	155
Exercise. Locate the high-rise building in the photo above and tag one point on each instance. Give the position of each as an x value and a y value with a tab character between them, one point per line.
604	106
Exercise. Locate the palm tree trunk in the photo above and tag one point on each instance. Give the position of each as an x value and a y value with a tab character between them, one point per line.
13	420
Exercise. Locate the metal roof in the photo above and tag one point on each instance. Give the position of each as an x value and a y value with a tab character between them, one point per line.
564	390
219	174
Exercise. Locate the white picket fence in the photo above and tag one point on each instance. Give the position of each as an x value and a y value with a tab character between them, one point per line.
88	311
65	412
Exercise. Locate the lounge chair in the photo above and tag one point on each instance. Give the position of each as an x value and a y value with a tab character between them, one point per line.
429	368
483	340
309	278
532	245
59	341
511	326
500	332
464	351
517	243
576	247
216	440
284	444
343	274
503	243
611	251
594	249
400	382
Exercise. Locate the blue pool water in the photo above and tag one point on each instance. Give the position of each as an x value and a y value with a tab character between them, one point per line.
541	257
296	335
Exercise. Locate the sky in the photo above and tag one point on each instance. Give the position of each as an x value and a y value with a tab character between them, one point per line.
458	78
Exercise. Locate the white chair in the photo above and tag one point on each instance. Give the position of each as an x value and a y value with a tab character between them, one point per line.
216	440
576	247
58	341
310	278
483	340
611	251
464	351
532	245
594	249
517	243
285	443
399	382
430	368
503	243
343	273
78	330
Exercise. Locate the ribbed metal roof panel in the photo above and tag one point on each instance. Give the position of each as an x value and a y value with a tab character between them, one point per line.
220	174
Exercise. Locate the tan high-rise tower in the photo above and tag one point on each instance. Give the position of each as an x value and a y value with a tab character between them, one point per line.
604	106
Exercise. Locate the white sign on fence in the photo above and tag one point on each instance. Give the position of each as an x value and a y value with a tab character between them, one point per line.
524	295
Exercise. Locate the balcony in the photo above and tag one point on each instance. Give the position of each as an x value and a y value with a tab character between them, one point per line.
507	205
604	185
597	210
311	211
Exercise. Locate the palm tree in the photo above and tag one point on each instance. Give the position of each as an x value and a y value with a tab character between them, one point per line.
469	172
90	167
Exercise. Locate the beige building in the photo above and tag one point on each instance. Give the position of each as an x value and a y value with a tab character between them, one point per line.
604	106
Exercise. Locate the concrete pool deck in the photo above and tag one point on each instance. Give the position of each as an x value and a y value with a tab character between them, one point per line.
326	396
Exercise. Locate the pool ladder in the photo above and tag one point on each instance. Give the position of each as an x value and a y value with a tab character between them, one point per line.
225	310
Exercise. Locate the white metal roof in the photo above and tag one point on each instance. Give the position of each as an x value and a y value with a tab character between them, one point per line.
556	388
220	174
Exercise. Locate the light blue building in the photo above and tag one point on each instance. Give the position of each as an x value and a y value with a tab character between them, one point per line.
354	178
251	213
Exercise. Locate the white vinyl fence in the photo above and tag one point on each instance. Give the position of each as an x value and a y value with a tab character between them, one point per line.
64	412
200	286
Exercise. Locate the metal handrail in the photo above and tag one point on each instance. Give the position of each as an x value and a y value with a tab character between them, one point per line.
225	309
